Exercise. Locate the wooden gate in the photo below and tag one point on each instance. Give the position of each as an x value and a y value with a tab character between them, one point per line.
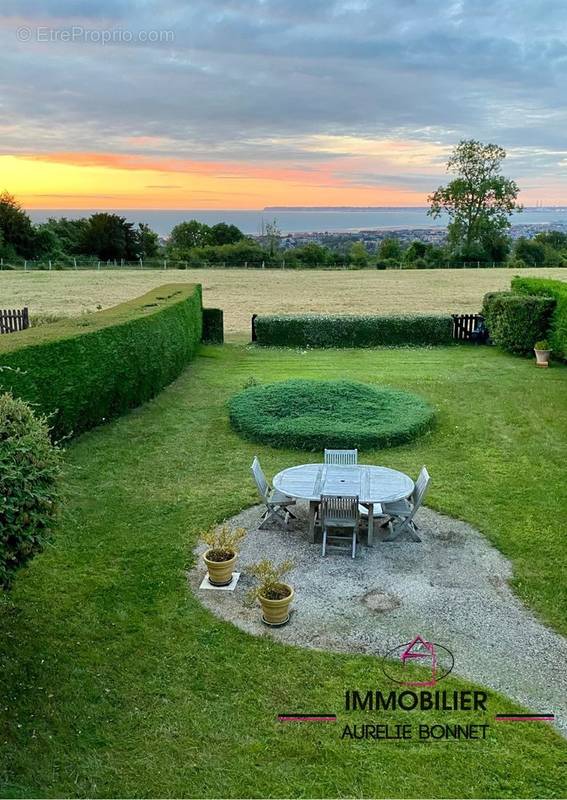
12	320
469	327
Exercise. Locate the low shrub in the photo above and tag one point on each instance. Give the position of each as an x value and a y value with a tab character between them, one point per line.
387	263
515	322
213	325
312	415
30	468
84	370
352	331
538	287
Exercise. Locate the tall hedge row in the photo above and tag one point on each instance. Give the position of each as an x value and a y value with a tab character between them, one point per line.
516	322
325	330
557	335
85	370
213	326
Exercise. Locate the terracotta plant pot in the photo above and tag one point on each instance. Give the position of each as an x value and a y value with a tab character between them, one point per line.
276	612
542	357
220	572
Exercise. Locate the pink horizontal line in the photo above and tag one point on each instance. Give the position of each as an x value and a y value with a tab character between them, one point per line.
306	719
525	719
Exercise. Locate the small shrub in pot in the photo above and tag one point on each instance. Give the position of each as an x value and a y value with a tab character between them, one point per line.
542	351
220	557
274	595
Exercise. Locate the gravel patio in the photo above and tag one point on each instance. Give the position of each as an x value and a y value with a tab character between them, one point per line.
452	588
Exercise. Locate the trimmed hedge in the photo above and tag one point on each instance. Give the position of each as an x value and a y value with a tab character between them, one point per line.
516	322
326	330
213	326
30	469
312	415
85	370
557	334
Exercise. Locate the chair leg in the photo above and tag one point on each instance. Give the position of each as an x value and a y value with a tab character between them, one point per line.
414	535
354	544
324	552
395	528
270	514
273	513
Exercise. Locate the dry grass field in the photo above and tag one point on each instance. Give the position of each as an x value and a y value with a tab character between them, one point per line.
244	292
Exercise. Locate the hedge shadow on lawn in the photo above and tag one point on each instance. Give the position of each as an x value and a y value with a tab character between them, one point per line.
312	415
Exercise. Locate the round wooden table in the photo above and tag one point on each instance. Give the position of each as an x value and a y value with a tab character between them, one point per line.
372	485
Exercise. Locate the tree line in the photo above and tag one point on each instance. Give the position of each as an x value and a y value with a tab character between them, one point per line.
479	202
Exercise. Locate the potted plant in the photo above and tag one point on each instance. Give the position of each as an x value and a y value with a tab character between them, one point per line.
542	352
274	595
220	556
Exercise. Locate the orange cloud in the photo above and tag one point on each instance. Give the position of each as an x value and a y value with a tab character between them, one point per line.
222	169
113	180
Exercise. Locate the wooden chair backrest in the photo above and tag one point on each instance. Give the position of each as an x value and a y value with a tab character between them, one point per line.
339	509
341	457
260	479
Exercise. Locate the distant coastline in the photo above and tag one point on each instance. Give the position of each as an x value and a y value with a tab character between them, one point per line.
536	209
332	220
344	208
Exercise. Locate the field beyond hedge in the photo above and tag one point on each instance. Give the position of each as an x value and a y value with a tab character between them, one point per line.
244	292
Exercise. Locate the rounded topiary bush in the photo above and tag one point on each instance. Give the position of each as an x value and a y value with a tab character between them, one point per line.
30	468
312	415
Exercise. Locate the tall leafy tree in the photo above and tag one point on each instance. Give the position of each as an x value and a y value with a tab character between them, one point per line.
272	237
358	254
222	233
147	241
479	201
109	237
390	247
69	233
18	233
187	235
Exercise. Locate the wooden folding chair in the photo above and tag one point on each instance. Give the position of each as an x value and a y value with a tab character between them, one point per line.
403	512
339	514
277	504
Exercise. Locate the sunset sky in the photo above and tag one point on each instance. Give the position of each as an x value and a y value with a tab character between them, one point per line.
242	104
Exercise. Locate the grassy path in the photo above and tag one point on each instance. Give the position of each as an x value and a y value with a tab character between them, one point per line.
117	682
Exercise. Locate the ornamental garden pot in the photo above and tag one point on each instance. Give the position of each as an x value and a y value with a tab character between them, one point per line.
542	357
220	571
275	610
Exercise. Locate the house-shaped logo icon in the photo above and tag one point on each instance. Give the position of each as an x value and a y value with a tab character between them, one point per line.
422	652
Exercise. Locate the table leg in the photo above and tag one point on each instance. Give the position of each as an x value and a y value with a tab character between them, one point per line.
312	511
370	507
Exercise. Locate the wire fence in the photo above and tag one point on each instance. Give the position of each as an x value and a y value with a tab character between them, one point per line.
165	264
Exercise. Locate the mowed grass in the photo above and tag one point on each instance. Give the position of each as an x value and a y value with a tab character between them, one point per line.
242	293
117	682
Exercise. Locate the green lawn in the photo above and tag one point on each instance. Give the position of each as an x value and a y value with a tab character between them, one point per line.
117	682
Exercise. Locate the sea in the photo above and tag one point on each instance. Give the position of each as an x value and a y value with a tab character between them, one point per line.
290	220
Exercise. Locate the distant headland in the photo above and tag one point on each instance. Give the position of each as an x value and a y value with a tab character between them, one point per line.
344	208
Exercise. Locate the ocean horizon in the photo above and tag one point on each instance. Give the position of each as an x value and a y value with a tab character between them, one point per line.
290	221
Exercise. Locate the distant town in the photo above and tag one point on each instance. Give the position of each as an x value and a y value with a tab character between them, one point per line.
339	240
